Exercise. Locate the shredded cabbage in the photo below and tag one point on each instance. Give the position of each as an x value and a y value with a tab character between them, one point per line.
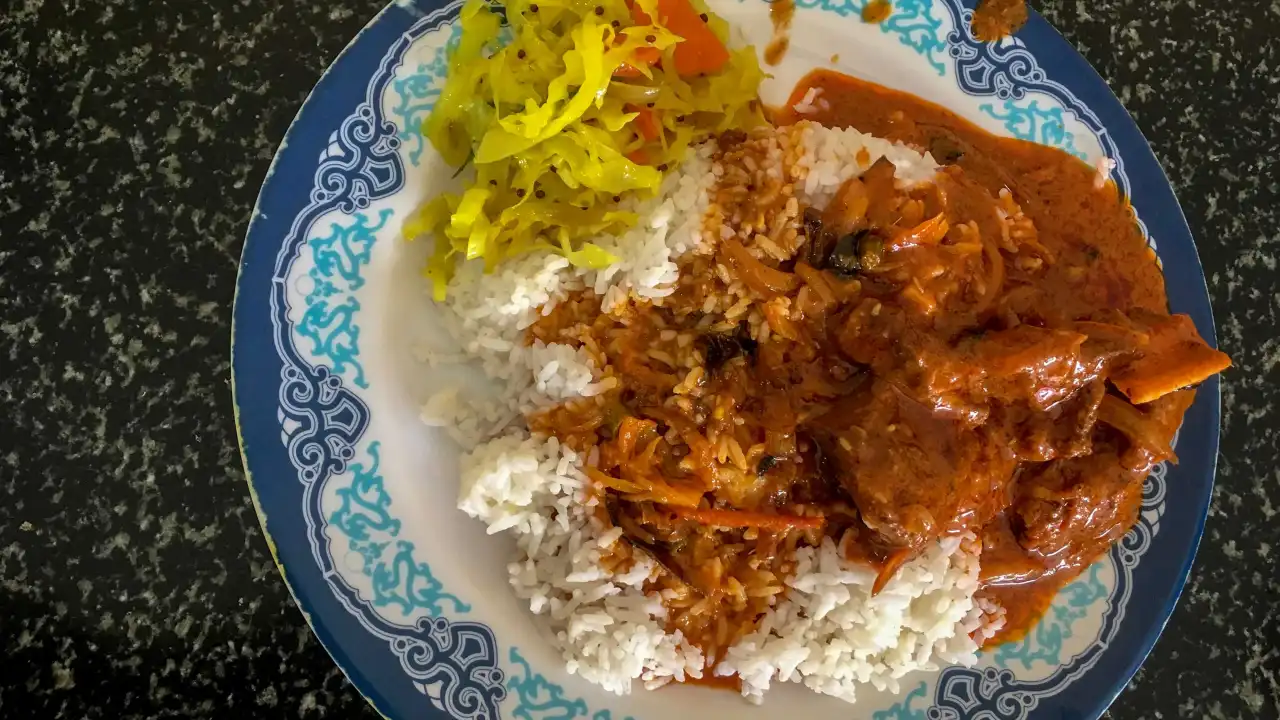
552	122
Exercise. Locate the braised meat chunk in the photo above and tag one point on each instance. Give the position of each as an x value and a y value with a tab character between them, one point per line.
913	475
1068	510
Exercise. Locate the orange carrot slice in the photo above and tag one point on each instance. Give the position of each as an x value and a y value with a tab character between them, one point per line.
1173	368
700	51
642	56
890	568
748	519
1175	357
647	125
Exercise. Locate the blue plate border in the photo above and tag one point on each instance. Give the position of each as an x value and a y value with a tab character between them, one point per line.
257	373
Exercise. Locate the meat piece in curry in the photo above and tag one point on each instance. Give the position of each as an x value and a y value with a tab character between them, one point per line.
989	353
1049	347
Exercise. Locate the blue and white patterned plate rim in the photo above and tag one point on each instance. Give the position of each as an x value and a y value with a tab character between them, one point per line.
301	422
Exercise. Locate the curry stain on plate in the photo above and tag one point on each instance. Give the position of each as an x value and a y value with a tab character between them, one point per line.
877	11
997	19
781	13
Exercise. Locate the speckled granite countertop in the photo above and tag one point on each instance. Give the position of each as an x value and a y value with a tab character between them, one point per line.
134	579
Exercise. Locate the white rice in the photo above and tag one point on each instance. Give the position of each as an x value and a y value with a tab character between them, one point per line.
833	635
808	104
828	632
670	226
609	631
531	376
831	156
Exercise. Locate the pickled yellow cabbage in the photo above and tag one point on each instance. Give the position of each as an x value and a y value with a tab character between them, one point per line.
548	119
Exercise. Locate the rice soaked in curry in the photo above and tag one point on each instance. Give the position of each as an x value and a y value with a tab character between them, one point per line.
989	353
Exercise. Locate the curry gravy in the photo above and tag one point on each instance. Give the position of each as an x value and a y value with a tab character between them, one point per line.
1101	261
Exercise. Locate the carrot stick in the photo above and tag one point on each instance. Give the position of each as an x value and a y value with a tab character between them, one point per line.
1175	357
780	323
700	51
748	519
665	493
609	481
647	126
642	56
629	431
1183	365
890	568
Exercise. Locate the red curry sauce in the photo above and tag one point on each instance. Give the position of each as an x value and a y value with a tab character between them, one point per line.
1051	504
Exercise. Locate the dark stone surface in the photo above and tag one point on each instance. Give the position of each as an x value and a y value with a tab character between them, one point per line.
134	580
